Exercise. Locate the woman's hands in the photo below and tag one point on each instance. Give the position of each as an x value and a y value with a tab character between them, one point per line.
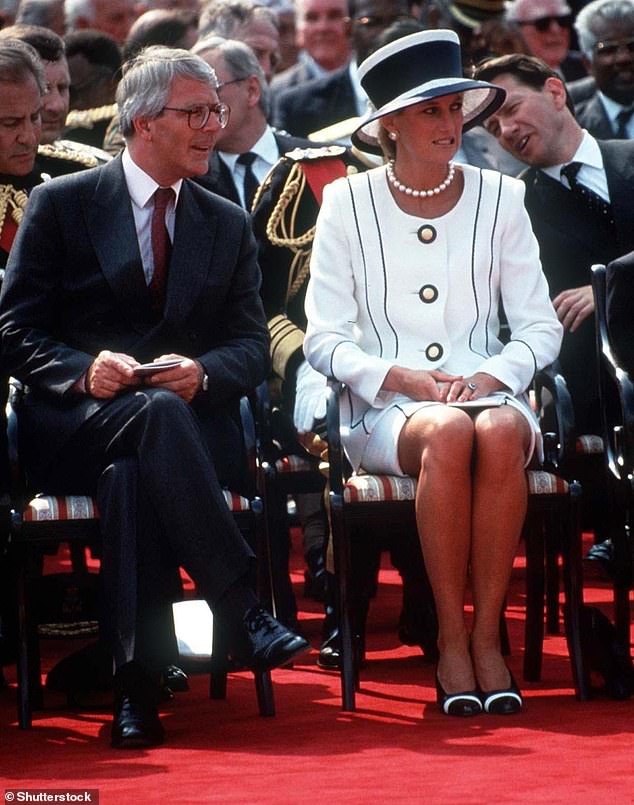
437	386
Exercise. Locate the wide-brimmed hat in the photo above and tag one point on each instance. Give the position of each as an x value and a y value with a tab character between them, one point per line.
416	68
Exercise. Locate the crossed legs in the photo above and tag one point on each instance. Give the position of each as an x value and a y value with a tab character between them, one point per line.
470	506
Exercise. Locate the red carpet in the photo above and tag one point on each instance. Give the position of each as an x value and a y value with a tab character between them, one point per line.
396	748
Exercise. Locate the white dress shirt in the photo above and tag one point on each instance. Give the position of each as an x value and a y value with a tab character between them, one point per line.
591	174
141	188
267	153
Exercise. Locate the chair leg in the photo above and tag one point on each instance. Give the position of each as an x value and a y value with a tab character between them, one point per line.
573	586
24	652
342	564
534	627
264	691
219	664
552	588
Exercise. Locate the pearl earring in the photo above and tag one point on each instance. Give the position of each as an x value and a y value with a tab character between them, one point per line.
393	135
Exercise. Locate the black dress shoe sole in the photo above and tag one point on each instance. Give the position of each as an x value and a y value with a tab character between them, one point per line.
137	742
279	656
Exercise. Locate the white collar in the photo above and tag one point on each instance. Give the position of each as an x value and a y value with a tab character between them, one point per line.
141	185
265	148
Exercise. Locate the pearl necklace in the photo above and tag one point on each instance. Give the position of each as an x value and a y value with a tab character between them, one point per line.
409	191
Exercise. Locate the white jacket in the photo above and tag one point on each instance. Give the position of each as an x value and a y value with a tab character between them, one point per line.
388	288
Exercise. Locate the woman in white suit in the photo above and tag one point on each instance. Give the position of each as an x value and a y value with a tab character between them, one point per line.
411	264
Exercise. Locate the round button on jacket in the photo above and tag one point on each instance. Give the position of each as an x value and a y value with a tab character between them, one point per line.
428	294
434	352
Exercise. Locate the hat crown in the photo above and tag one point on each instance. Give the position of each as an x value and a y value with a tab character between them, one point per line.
404	65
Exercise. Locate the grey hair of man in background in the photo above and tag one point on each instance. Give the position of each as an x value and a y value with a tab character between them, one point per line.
610	11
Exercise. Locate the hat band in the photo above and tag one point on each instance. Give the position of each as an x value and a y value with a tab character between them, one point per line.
411	68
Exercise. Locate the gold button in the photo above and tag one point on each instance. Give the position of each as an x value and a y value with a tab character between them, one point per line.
428	293
434	352
427	234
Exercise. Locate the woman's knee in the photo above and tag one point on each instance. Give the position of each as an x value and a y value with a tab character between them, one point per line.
502	432
439	436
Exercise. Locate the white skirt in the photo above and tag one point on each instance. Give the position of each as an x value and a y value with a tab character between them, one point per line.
381	451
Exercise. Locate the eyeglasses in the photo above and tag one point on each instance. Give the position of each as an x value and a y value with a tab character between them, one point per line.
380	20
609	49
227	83
543	23
198	116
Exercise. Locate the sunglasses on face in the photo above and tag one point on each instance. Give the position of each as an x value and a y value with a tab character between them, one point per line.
609	49
543	23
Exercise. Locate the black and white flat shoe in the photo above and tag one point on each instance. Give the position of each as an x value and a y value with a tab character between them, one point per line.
503	702
463	704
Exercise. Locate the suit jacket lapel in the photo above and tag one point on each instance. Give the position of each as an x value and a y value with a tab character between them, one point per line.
618	162
194	240
108	211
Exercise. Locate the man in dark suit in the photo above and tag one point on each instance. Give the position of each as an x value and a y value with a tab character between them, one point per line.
606	36
536	125
324	101
580	198
244	88
111	268
323	36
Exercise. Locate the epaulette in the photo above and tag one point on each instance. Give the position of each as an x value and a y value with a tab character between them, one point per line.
63	151
87	118
12	203
322	152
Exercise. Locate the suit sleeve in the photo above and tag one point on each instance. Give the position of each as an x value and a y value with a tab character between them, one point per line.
619	306
29	300
240	361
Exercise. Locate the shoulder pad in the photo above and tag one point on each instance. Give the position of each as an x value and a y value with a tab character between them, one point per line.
86	118
323	152
65	153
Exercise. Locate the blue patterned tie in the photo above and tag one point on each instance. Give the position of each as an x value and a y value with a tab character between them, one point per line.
591	200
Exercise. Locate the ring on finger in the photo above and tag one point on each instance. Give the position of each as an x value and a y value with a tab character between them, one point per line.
472	386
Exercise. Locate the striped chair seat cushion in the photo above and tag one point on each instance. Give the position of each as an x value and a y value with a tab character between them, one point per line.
235	502
589	444
377	488
294	464
82	507
60	507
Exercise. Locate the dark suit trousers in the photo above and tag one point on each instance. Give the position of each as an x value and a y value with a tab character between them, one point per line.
161	507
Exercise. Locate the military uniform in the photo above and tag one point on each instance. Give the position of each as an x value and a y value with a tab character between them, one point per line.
89	126
51	161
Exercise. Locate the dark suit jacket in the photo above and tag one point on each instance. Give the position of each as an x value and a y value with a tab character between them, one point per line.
296	75
620	310
75	285
569	245
305	109
218	178
591	115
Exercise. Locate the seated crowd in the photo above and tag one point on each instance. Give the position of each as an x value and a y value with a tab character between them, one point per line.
183	109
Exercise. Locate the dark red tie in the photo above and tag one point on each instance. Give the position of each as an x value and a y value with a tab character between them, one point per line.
161	247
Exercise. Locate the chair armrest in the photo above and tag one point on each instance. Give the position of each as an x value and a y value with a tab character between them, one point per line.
556	416
335	449
616	389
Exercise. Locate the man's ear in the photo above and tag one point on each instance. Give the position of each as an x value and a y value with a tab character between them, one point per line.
253	90
143	127
556	89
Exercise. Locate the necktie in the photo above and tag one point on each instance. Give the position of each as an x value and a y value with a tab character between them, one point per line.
622	119
591	200
251	184
161	247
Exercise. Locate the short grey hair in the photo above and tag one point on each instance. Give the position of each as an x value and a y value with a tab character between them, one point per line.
595	13
19	61
147	81
74	9
241	62
228	17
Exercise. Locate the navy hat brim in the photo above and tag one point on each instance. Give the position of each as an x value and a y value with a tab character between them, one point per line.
480	99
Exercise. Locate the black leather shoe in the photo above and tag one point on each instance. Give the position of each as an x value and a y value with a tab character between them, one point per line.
464	704
136	724
503	702
266	643
175	679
